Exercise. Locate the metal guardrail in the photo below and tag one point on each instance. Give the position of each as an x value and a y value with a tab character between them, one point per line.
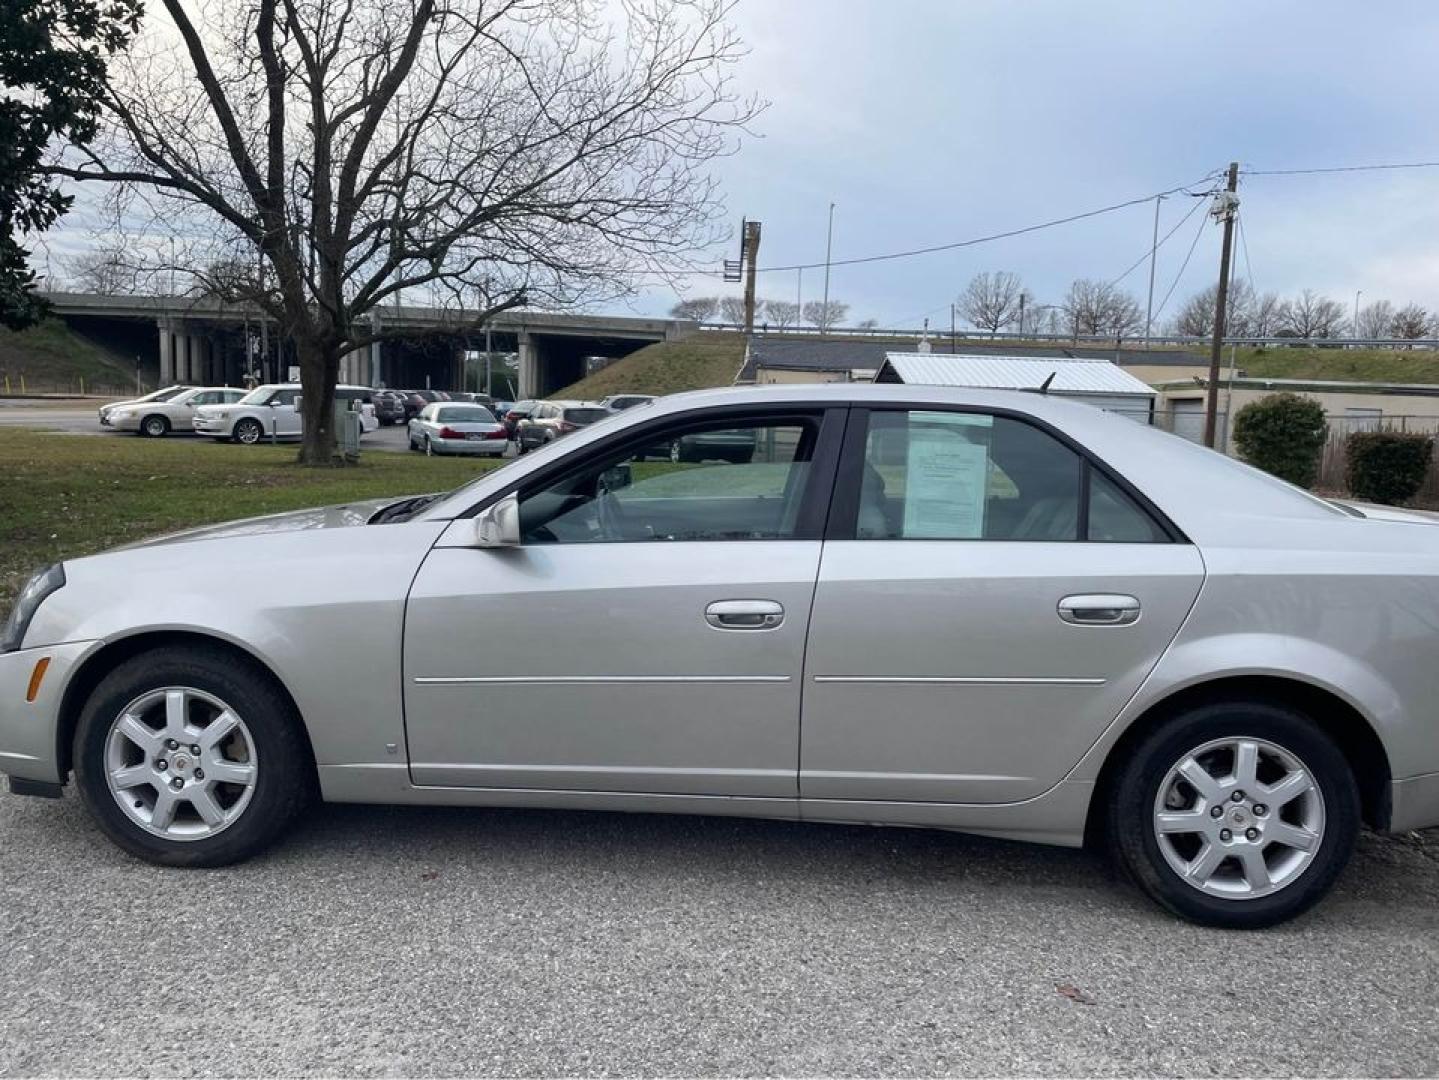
1106	341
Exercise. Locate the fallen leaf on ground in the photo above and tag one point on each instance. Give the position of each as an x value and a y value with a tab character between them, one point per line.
1074	993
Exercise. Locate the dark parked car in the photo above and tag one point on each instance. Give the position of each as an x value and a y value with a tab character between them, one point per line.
415	400
520	410
389	406
620	402
552	419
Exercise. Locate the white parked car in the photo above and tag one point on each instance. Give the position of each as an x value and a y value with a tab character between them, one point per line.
155	418
165	393
447	428
273	410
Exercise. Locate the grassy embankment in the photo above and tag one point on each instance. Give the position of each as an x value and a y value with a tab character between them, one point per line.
52	358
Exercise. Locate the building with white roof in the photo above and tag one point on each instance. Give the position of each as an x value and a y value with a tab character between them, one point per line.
1095	382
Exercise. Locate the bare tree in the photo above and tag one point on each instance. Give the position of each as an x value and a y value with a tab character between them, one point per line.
732	309
825	315
1265	315
102	270
481	155
1196	317
868	324
1412	322
1311	316
783	313
1376	321
991	300
698	308
1094	307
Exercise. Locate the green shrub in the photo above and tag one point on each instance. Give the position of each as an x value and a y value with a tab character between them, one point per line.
1388	466
1282	434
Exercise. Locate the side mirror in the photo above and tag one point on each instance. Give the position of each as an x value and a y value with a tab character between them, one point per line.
616	477
498	525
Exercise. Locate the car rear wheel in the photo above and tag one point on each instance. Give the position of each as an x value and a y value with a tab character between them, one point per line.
187	757
248	431
154	427
1236	814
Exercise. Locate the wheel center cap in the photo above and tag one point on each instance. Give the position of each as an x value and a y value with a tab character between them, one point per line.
1239	818
180	762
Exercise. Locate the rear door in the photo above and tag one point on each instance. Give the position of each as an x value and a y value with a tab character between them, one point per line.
987	602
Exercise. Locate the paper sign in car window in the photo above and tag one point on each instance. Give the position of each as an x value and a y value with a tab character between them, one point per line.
947	476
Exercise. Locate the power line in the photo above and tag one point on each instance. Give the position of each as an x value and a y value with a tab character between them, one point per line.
1145	257
1342	169
1244	245
1183	266
992	236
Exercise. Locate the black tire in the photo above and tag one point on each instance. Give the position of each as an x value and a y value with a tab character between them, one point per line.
154	427
284	782
249	431
1132	797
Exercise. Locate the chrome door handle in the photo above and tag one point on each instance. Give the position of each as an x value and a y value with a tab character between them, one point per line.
744	614
1099	609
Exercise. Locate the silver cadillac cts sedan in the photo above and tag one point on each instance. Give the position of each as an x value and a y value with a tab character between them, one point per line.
997	613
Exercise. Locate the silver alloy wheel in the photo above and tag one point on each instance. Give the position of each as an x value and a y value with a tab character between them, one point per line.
154	427
180	763
248	432
1239	818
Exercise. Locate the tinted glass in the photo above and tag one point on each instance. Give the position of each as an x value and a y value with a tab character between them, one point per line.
585	416
965	476
1115	518
745	483
464	414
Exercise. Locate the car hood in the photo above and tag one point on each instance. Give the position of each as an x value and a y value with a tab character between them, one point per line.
1376	512
343	516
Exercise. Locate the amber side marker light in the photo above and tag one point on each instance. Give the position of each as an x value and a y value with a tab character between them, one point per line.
36	678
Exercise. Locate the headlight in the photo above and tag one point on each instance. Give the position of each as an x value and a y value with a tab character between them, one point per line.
122	414
218	416
31	596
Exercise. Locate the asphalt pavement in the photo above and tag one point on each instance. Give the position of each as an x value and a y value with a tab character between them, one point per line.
432	942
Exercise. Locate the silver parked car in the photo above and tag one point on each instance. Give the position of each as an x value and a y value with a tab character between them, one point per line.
999	613
156	418
447	428
165	393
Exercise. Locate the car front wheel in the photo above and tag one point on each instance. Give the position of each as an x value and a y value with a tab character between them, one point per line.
1235	814
188	757
248	431
154	426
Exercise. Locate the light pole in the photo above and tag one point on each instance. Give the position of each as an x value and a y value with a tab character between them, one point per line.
828	246
1153	252
1354	330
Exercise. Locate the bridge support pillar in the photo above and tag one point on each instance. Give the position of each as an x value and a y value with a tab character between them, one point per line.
167	351
529	375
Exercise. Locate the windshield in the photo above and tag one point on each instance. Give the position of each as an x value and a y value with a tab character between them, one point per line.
471	414
585	416
164	394
257	396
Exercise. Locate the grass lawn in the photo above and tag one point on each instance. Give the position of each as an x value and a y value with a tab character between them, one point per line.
1357	365
63	495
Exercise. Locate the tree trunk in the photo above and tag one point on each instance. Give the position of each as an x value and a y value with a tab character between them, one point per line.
319	371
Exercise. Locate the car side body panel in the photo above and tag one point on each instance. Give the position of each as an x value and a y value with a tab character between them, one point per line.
322	609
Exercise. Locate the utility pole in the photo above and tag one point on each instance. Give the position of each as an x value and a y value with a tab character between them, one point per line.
1022	298
1225	205
828	247
952	335
1153	251
751	254
1354	330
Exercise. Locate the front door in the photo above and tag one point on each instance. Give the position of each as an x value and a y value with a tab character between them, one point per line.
648	634
992	601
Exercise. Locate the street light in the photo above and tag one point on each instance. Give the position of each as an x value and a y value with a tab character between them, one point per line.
1354	330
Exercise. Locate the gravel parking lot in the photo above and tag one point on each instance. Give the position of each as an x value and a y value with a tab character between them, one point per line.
441	942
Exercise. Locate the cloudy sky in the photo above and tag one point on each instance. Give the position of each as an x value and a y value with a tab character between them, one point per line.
928	121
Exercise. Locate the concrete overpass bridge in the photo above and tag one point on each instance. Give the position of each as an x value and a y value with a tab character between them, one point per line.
203	340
